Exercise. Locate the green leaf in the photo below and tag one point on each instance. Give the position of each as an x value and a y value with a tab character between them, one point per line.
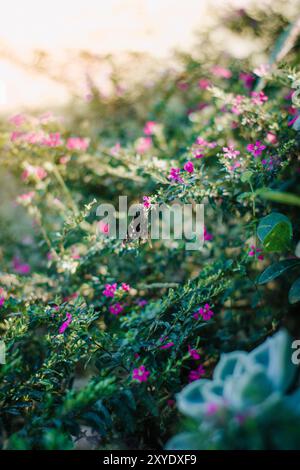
246	176
280	196
275	231
276	269
294	293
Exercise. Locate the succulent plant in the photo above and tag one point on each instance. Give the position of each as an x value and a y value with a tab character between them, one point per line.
252	402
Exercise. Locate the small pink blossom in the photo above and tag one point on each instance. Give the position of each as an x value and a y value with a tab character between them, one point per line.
65	324
262	70
203	83
221	72
140	374
110	290
271	137
211	409
166	345
37	172
147	202
116	308
26	197
256	149
19	267
255	252
115	150
247	79
142	302
103	227
189	167
183	86
236	105
150	127
175	175
193	353
64	159
143	144
125	287
2	301
52	140
230	152
78	143
18	120
205	312
258	97
207	236
196	374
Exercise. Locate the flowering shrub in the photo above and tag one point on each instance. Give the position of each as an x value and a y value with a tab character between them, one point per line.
100	333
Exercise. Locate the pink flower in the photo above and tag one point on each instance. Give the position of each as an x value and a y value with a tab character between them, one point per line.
221	72
247	79
262	70
20	268
189	167
258	98
77	143
150	127
255	251
18	120
211	409
115	149
207	236
140	374
256	149
110	290
167	345
271	137
236	106
194	353
65	324
2	301
203	83
26	197
143	144
205	312
37	172
125	287
103	227
230	152
175	175
64	159
142	302
116	308
52	140
196	374
183	86
146	202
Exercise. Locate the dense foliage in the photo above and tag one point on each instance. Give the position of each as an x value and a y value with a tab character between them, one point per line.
100	334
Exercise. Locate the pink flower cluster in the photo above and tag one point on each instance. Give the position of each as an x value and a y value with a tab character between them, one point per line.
140	374
256	149
221	72
150	127
36	172
197	373
65	324
255	252
77	143
258	98
116	308
205	312
200	147
19	267
143	144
